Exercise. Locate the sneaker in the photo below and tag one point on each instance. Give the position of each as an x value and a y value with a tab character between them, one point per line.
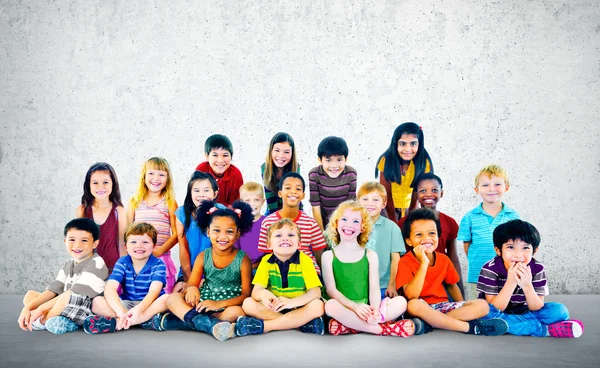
153	323
569	329
245	326
488	327
421	327
401	328
224	331
169	321
98	324
337	328
316	326
37	325
60	325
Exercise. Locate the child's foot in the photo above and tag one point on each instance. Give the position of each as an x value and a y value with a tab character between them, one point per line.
60	325
99	324
169	321
37	325
402	328
245	326
316	326
153	323
488	327
336	328
421	327
223	331
568	329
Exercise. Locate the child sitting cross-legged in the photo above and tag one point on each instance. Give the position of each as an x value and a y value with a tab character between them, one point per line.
351	274
514	284
287	290
422	273
142	277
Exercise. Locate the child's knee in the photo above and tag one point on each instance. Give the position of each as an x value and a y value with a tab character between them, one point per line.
416	307
30	295
557	310
332	306
316	308
249	305
480	305
173	299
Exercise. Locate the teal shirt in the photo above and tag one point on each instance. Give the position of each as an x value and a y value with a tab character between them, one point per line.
477	226
385	239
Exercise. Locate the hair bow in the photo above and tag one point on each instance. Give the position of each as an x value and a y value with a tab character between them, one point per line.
238	212
211	211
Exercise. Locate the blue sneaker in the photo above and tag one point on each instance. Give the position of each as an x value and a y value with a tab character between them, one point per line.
488	327
98	324
60	325
316	326
169	321
245	326
153	323
421	327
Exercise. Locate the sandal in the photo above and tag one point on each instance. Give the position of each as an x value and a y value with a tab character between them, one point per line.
336	328
402	328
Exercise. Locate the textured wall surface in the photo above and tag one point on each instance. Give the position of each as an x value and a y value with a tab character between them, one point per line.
507	82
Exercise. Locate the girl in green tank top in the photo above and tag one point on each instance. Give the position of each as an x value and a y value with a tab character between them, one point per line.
351	275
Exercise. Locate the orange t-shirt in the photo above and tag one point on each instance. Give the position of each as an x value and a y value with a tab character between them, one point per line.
441	272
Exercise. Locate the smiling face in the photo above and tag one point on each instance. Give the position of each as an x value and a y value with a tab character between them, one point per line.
284	242
408	145
373	202
201	191
139	246
292	192
281	154
101	185
491	188
223	232
333	165
156	180
349	226
219	160
423	232
516	251
429	193
254	199
80	244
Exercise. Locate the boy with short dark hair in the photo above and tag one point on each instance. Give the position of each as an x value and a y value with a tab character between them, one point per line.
422	274
332	182
312	242
67	301
218	151
429	190
287	289
142	277
514	284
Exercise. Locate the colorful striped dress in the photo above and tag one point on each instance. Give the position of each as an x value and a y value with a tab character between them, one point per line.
158	216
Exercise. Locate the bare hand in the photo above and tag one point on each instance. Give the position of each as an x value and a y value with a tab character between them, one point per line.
25	319
192	295
523	275
363	311
208	306
421	255
282	303
391	292
35	314
374	318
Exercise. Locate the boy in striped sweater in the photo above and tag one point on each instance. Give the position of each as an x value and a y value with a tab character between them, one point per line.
332	182
287	290
514	284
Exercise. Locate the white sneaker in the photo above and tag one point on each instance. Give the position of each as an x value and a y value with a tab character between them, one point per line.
37	325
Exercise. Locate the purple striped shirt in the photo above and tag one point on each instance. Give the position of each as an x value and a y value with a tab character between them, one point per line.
328	192
493	277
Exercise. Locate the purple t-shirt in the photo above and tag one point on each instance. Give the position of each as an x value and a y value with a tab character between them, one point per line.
249	241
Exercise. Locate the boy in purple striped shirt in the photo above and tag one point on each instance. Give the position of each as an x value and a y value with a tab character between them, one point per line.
332	182
514	284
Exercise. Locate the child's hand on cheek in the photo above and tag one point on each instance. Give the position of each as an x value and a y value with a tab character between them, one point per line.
511	277
420	254
523	273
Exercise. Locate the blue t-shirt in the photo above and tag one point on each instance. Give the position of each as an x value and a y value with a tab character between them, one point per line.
197	241
135	287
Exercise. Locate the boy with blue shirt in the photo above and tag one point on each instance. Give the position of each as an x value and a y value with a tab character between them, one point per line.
142	277
477	225
386	237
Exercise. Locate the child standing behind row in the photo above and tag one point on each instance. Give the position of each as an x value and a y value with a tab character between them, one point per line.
101	202
332	182
154	203
351	277
251	193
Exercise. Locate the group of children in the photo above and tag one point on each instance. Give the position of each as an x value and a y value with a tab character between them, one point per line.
367	261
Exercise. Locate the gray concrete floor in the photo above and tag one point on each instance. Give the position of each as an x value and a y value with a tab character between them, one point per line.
137	347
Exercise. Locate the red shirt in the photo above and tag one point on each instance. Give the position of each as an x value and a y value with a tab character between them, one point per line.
449	232
229	183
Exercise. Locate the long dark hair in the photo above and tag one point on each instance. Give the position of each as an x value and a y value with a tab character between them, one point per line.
188	204
87	199
269	177
391	169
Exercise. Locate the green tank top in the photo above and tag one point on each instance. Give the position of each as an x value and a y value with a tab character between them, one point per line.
352	279
222	283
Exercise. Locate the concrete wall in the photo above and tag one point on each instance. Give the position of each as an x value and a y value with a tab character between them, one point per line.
507	82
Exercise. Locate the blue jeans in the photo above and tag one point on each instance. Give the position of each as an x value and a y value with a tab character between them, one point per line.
532	323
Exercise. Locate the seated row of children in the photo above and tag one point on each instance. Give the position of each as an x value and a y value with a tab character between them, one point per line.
218	298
